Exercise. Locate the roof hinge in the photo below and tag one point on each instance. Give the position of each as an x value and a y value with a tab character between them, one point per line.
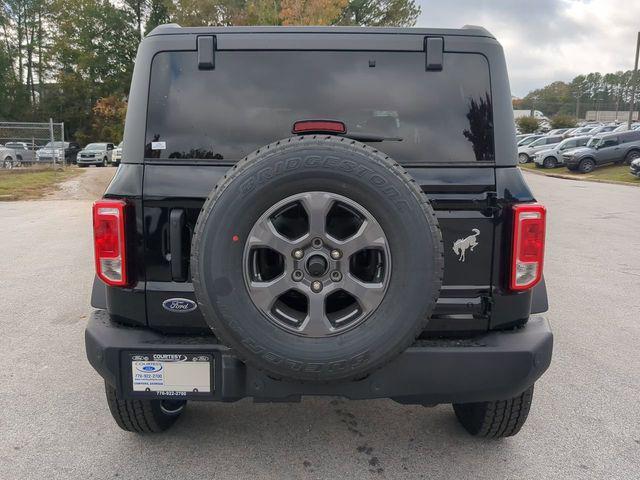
206	52
434	49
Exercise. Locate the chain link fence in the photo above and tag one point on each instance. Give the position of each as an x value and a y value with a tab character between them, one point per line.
32	143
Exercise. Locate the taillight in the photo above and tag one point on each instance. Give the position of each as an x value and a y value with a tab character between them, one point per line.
319	126
528	245
109	241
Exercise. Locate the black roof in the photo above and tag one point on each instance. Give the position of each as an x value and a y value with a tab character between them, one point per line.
465	31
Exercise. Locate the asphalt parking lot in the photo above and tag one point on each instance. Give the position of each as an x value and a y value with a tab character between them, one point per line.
585	421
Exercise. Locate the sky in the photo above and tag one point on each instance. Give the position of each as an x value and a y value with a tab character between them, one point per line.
547	40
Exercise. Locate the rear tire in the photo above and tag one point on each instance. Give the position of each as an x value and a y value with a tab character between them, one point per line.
143	416
497	419
523	158
631	156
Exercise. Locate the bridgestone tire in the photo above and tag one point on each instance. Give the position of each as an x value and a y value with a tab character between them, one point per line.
317	164
142	416
497	419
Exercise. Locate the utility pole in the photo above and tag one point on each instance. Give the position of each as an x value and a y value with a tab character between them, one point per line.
634	84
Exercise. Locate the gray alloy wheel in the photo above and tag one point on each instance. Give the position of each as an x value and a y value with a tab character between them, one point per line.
322	281
586	166
550	162
523	158
8	163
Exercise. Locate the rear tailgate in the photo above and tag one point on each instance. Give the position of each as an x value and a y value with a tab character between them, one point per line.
202	120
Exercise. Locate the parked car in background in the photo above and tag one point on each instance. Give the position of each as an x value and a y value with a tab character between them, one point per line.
588	130
98	154
528	139
24	154
603	129
526	152
552	157
116	157
634	167
604	149
58	152
559	131
7	157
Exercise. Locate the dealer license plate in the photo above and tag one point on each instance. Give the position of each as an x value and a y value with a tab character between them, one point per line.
171	373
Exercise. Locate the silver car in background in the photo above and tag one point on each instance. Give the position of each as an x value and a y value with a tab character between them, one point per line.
527	152
552	157
7	157
25	155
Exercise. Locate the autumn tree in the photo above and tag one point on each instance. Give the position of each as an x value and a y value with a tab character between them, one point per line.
108	118
311	12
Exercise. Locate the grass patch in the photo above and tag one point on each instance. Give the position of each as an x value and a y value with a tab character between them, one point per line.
28	183
610	173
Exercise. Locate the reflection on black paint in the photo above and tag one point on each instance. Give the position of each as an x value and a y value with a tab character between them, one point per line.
253	98
480	131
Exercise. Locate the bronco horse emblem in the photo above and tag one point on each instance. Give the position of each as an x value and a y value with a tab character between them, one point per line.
461	245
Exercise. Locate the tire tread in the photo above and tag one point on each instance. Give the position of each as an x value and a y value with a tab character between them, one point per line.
495	419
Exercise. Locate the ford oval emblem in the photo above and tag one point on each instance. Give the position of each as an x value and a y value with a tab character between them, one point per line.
149	368
179	305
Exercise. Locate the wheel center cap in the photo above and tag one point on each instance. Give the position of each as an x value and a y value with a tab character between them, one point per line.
317	265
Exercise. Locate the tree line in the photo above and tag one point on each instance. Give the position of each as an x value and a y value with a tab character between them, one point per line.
72	60
594	91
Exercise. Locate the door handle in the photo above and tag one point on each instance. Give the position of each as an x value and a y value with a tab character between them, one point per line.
176	229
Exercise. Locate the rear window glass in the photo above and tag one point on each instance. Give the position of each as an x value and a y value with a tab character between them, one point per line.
252	98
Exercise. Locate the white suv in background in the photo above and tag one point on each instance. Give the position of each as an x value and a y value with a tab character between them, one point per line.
527	152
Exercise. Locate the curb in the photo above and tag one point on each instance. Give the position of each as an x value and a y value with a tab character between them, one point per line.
569	177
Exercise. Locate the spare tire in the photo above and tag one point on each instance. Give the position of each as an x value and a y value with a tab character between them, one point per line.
317	258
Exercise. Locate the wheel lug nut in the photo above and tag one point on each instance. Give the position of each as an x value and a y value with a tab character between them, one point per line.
316	286
297	275
336	276
297	254
336	254
316	242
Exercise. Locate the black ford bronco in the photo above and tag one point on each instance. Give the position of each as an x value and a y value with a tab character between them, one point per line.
319	211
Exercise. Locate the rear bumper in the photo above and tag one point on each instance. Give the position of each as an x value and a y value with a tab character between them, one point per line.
494	366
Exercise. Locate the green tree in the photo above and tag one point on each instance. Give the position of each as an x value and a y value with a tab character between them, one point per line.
94	50
563	121
380	13
139	10
528	124
158	15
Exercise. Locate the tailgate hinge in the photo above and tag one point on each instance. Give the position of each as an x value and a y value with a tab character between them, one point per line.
206	52
434	49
